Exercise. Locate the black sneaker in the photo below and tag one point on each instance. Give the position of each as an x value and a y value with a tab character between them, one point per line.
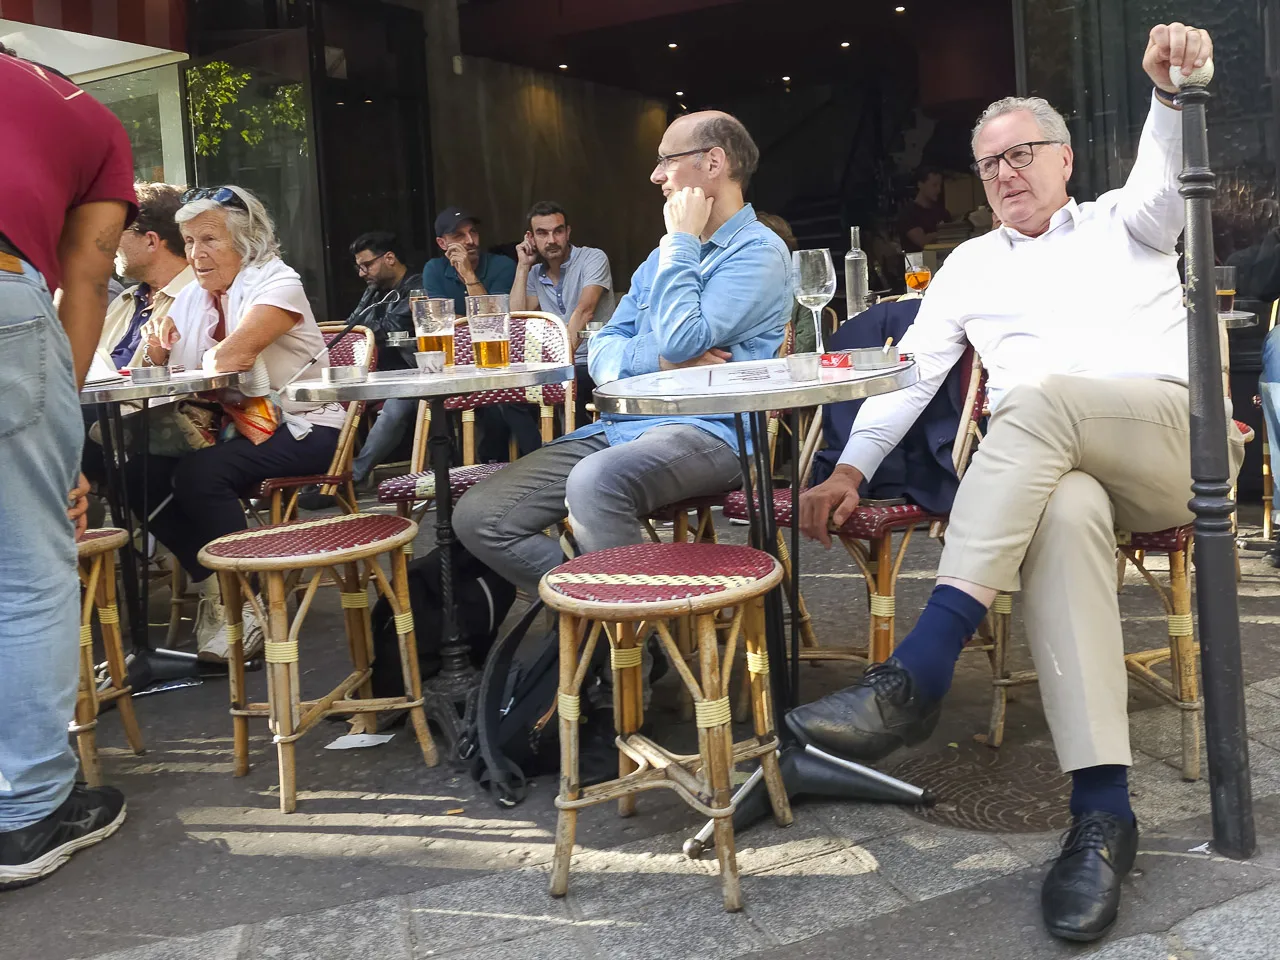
89	815
869	720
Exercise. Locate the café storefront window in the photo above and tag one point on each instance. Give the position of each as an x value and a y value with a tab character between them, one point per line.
149	104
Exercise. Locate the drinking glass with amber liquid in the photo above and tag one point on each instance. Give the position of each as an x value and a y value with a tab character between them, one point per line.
433	319
917	275
1225	284
489	318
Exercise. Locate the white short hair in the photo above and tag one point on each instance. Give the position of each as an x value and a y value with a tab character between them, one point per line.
1052	126
252	230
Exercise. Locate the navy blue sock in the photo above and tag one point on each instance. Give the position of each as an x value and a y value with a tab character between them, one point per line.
1104	788
930	650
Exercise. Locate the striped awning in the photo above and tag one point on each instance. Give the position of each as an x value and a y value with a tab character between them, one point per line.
155	23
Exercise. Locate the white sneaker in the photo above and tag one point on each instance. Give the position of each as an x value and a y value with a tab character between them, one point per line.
214	645
210	615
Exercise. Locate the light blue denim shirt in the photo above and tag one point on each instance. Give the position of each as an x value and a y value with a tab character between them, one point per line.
732	292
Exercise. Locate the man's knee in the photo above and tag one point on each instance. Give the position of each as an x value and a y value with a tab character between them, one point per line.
1078	503
595	483
204	475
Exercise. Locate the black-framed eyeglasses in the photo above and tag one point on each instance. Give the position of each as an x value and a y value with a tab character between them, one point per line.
362	266
223	195
664	160
1017	156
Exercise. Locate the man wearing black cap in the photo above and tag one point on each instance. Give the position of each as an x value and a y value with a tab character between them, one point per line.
465	270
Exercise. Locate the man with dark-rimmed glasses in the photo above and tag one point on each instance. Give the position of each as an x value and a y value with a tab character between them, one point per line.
1076	311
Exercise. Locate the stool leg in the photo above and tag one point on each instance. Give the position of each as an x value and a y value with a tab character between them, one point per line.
87	696
882	624
715	743
570	786
628	709
1000	622
285	698
762	711
109	621
1182	665
359	639
233	603
409	660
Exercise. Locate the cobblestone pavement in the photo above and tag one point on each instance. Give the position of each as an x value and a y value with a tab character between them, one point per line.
386	858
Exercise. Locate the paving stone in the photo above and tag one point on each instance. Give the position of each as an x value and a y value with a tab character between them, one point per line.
804	899
929	862
767	846
678	928
857	822
1143	947
606	881
1035	848
1159	794
216	945
369	928
567	942
1244	928
498	907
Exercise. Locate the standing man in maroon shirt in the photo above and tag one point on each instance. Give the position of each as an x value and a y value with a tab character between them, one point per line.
66	193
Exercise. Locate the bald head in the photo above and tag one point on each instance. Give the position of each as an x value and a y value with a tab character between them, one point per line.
708	148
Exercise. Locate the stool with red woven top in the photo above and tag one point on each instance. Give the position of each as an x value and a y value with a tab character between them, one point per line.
346	549
535	337
96	552
616	592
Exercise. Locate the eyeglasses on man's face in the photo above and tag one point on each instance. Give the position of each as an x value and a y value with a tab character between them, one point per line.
1017	156
663	162
364	266
223	195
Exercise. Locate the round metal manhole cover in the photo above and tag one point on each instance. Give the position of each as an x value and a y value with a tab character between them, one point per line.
1017	789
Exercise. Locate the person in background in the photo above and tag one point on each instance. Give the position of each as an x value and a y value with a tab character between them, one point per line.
68	193
151	255
801	316
918	223
717	288
246	312
573	283
467	271
1090	432
384	309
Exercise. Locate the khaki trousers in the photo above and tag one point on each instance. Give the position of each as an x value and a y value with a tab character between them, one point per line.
1065	463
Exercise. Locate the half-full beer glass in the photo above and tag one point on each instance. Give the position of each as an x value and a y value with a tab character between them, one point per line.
433	325
489	318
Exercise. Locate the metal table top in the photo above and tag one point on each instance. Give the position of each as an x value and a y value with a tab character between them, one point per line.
455	381
178	384
1236	319
747	387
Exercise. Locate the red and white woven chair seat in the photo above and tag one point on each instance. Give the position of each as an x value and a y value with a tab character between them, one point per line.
312	541
101	540
735	506
533	340
865	523
413	487
659	572
1161	541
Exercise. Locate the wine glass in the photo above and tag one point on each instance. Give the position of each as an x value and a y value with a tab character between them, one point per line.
814	282
917	274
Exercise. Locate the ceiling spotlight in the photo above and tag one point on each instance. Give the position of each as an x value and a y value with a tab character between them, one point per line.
899	9
564	66
368	101
845	45
672	46
341	103
786	79
679	93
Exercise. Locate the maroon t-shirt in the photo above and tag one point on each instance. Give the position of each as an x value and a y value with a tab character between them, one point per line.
59	149
926	218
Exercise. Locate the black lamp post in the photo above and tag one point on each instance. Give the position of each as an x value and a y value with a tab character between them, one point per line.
1227	739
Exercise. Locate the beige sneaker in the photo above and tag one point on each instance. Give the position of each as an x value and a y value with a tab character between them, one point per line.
213	645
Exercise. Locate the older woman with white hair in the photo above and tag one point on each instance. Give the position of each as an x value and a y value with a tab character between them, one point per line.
247	312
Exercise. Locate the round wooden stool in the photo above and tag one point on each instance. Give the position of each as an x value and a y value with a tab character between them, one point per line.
97	555
346	549
618	592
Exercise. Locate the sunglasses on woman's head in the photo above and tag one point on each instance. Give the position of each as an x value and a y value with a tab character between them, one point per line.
223	195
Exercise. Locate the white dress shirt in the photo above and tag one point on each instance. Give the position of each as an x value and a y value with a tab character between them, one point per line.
1096	295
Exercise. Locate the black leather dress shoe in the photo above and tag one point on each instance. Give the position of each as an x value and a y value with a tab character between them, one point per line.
1081	894
869	720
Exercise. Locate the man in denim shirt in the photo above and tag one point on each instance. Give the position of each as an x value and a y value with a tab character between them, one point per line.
717	288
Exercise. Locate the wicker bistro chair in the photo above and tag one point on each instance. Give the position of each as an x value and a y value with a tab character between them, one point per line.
618	591
96	552
536	337
346	549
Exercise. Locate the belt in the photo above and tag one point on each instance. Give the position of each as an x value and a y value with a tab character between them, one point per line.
11	258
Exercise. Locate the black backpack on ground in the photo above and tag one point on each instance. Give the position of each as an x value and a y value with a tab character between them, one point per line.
482	600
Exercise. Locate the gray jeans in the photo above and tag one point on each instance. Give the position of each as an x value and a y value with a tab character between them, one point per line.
603	489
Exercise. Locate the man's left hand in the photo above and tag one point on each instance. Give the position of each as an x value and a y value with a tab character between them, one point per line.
456	254
1177	45
687	211
78	513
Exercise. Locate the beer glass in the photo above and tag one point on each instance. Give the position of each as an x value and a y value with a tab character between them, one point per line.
1225	283
813	278
489	318
433	324
917	275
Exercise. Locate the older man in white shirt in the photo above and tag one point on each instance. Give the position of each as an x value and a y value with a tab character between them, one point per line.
1076	310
